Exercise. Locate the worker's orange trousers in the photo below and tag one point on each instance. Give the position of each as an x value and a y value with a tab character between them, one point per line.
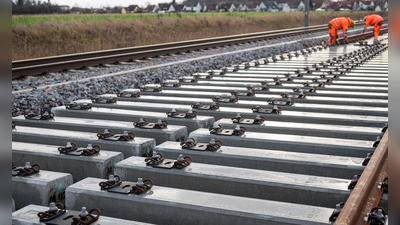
377	29
333	34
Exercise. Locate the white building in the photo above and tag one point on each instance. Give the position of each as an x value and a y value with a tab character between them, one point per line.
192	8
284	7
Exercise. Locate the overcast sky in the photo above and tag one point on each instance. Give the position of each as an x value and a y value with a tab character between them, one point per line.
99	3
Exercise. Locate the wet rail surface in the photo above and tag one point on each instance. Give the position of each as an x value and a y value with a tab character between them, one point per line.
282	168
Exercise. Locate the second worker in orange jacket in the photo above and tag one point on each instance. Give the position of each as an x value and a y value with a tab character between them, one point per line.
340	23
376	21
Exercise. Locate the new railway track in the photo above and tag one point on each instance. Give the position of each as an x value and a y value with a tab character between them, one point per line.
38	66
325	136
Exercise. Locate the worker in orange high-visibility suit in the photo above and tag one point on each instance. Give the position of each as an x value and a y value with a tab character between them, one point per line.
376	21
336	24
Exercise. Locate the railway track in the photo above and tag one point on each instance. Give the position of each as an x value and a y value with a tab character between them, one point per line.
296	155
44	65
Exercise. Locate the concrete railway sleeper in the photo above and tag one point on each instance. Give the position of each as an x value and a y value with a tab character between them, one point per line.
265	184
311	104
226	112
223	112
204	96
99	165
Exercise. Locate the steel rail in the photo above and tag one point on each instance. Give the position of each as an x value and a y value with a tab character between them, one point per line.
366	194
94	59
361	36
52	59
81	60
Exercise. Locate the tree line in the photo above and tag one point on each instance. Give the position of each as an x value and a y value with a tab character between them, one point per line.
35	7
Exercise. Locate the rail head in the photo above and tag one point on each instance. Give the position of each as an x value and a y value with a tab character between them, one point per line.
363	35
366	194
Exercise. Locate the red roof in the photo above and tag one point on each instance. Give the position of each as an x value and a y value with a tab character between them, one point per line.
211	6
252	5
376	3
318	5
150	8
347	4
366	2
333	5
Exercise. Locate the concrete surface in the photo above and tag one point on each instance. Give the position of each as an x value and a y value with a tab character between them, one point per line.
40	189
326	105
139	146
297	143
178	206
28	216
267	159
171	133
133	116
80	167
229	110
260	184
308	129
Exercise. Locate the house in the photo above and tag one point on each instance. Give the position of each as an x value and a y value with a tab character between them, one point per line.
134	8
284	7
301	6
124	10
77	10
163	7
293	6
324	6
317	6
365	5
151	9
179	8
262	7
105	9
99	11
269	6
346	6
244	8
378	8
226	7
237	6
192	8
241	7
381	5
64	7
210	7
116	9
333	6
252	6
296	6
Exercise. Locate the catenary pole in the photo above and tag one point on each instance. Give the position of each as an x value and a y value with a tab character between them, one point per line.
307	13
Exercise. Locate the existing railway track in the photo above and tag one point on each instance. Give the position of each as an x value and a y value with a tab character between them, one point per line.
340	119
44	65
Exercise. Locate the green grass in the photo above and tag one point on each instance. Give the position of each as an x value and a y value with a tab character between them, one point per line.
29	20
